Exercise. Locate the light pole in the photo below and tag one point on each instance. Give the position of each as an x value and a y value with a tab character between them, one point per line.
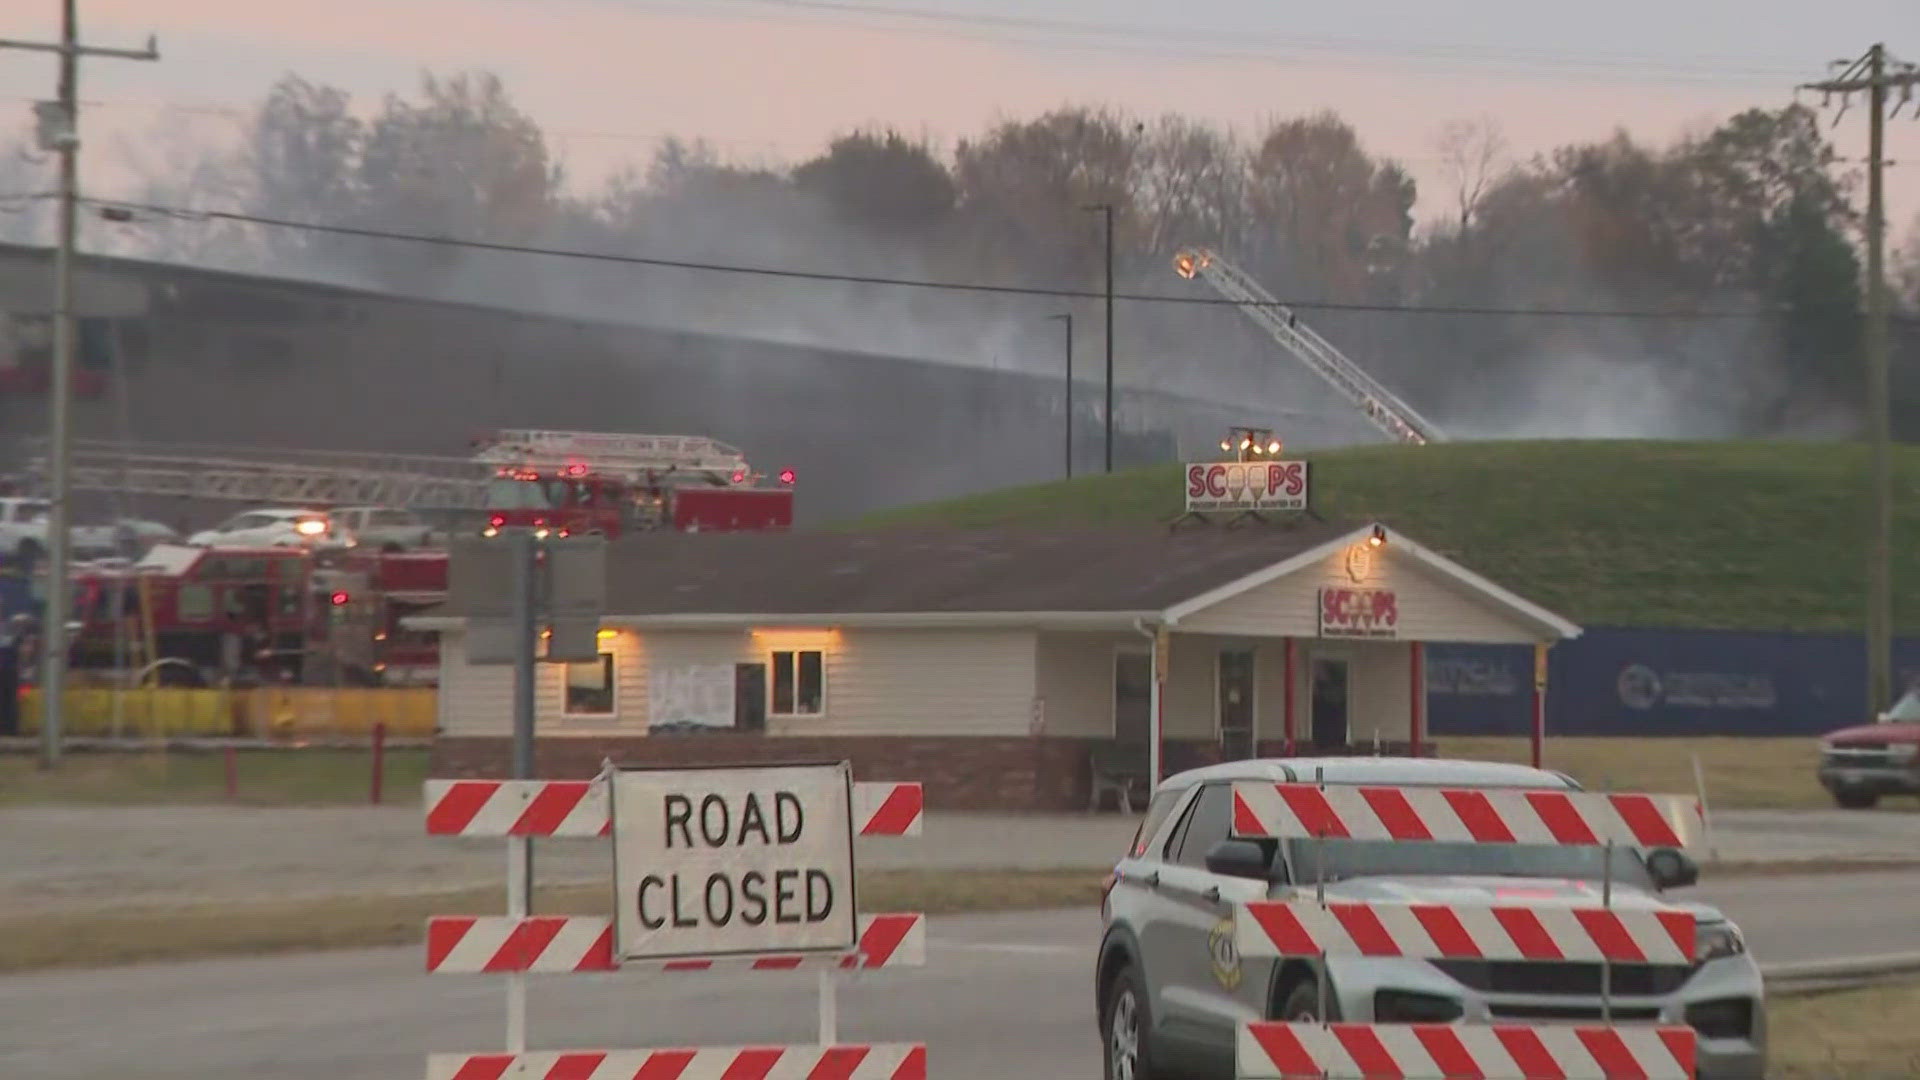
1107	210
1068	320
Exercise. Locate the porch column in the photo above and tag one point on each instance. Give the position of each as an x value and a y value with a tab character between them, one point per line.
1286	697
1156	699
1417	668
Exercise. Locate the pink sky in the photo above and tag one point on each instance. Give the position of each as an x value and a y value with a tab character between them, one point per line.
608	78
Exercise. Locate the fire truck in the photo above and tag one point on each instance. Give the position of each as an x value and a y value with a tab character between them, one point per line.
581	482
572	481
196	615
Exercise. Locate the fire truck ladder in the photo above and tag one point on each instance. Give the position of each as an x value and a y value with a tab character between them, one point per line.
1387	412
270	477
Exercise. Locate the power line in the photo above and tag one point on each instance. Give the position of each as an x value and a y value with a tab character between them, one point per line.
1236	45
180	213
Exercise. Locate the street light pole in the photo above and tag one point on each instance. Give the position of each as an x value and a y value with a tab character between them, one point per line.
1107	210
1068	320
60	132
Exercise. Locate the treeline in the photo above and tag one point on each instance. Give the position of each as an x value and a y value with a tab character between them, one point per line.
1755	215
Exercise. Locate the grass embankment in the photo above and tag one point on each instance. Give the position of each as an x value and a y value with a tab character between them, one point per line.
131	935
1867	1034
1746	774
1724	535
308	776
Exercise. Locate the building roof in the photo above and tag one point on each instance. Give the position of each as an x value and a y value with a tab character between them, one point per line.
1004	571
970	577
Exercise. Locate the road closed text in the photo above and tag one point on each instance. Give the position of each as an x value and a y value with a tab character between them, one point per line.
733	862
789	894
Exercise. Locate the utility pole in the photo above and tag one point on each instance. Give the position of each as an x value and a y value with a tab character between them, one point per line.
1107	210
1875	74
1068	319
59	131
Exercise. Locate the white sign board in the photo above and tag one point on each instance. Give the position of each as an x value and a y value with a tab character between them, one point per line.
690	695
1248	485
733	861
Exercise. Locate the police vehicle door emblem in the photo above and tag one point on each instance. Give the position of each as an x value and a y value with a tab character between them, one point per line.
1225	957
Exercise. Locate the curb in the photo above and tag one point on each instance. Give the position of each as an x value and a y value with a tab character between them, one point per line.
1821	976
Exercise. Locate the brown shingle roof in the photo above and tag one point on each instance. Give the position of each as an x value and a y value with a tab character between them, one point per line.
914	572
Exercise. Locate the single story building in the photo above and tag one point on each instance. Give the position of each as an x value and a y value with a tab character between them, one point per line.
996	667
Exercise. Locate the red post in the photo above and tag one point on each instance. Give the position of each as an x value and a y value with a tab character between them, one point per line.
1417	666
233	774
379	759
1286	696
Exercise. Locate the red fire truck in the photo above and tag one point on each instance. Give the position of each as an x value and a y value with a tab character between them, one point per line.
582	482
196	614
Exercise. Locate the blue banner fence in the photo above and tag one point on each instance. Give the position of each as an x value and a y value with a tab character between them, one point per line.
1613	681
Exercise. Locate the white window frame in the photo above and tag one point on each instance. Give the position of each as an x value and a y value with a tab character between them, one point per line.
773	680
610	662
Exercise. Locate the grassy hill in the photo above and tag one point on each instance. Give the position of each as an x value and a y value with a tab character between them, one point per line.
1764	536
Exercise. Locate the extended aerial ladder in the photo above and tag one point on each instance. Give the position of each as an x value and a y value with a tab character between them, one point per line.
325	478
1386	411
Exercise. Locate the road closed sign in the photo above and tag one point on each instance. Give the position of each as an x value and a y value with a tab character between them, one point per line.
733	861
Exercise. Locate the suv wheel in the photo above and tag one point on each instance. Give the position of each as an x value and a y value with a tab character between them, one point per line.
1124	1026
1855	800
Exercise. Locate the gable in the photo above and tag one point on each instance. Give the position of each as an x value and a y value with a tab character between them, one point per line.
1432	605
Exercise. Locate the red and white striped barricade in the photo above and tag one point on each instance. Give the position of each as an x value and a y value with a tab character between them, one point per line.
519	944
1280	1051
1531	930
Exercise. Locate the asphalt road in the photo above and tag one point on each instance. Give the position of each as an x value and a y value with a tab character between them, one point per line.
1001	995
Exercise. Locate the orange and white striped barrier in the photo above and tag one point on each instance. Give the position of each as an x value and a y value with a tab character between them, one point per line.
1280	1051
581	808
468	945
1464	932
851	1061
1464	815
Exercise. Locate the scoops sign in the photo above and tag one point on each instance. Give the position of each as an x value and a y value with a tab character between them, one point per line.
1252	485
1363	613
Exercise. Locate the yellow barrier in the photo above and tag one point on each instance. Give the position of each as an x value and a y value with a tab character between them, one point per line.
274	712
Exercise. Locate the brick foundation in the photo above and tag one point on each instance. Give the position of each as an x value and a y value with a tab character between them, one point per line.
960	773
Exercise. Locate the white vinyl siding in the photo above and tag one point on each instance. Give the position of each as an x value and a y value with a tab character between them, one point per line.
1076	680
477	699
1430	608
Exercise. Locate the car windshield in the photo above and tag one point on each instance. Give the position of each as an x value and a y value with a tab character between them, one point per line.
1378	858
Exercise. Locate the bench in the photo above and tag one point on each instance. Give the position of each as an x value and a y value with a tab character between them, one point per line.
1120	768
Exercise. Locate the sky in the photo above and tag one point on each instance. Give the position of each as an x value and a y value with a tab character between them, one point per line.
771	80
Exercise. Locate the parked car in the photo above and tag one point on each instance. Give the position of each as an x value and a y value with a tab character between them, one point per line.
1859	765
385	528
23	532
122	537
1171	988
275	528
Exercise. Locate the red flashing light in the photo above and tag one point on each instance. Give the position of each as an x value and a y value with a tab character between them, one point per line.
786	476
739	477
340	598
576	469
497	520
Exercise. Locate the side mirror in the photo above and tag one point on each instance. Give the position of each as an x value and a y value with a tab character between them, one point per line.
1238	858
1671	869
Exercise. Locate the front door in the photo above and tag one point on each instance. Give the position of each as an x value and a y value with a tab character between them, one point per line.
1234	694
1329	703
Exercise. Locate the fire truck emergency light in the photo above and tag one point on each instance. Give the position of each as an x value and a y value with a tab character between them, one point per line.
340	598
786	476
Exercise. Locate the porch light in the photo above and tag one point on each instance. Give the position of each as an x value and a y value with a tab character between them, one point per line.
1379	537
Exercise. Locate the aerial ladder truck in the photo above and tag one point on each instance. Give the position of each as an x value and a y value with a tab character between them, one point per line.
1380	406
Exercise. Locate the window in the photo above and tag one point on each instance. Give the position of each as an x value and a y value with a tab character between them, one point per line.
1158	808
194	603
1206	824
799	683
399	518
1132	696
589	690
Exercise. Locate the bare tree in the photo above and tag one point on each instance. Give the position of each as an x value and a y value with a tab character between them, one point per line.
1473	155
